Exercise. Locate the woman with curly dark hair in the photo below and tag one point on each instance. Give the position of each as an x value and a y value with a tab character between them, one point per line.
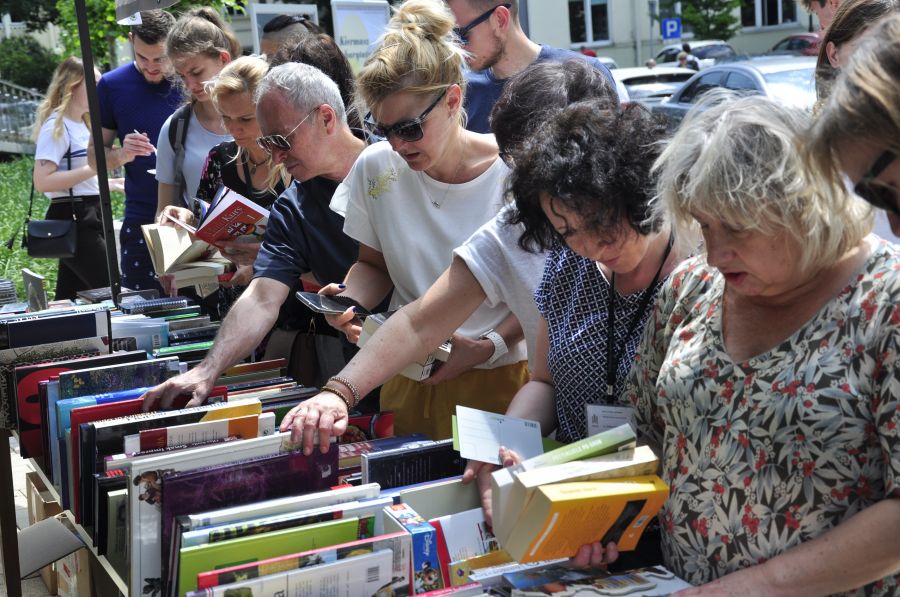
583	186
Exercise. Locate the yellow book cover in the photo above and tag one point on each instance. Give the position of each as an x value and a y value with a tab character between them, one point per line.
562	517
627	463
231	411
460	570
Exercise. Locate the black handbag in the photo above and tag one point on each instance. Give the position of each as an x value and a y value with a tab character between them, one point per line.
51	239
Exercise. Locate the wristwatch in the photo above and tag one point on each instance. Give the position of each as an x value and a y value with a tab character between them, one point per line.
499	343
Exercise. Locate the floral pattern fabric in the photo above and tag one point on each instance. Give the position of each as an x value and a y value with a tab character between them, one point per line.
765	454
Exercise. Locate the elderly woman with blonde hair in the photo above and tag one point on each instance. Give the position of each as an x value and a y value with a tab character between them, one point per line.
767	373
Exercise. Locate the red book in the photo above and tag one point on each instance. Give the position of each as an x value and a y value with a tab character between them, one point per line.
233	217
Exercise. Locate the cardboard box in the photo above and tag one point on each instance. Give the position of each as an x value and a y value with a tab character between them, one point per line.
41	505
73	574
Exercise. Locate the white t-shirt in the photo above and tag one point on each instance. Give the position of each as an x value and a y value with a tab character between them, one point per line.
74	138
196	148
507	274
390	209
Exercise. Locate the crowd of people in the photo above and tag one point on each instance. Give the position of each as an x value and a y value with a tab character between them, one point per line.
721	286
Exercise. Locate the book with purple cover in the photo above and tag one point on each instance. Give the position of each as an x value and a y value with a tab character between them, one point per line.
243	482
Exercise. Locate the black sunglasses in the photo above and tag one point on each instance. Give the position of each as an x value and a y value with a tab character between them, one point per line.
463	32
879	195
270	143
409	130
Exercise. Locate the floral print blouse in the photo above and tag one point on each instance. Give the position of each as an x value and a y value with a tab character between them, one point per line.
768	453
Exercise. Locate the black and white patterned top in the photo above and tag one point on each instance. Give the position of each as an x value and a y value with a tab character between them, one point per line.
573	297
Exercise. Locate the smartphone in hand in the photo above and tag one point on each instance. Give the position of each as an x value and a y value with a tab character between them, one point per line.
330	305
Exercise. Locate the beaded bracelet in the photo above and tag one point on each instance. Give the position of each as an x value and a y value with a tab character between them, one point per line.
356	397
339	394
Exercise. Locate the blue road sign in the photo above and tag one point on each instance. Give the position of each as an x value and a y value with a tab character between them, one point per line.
671	28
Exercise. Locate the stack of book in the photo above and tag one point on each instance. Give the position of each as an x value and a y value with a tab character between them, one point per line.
189	254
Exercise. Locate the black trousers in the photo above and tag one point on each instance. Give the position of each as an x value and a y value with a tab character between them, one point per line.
87	269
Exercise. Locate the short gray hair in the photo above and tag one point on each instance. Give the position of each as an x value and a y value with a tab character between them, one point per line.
736	159
304	86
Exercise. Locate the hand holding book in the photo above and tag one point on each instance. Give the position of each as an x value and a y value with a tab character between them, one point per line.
240	252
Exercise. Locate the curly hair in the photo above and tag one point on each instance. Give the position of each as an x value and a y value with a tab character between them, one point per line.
543	88
595	160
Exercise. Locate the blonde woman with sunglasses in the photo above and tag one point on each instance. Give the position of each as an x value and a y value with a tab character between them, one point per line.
410	201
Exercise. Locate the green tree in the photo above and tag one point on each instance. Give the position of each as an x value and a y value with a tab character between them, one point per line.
24	62
34	13
104	30
710	19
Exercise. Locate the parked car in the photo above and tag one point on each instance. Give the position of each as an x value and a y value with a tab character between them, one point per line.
802	44
649	85
707	52
786	79
608	62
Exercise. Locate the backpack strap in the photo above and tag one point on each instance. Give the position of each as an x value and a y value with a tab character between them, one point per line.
178	130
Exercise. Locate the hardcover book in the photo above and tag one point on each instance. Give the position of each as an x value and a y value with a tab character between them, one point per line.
411	464
11	358
31	420
398	543
243	482
202	558
146	494
426	573
102	380
362	574
232	217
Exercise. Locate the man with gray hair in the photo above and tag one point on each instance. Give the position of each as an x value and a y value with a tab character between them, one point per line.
304	127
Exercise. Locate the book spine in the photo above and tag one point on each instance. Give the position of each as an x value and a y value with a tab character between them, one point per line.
199	333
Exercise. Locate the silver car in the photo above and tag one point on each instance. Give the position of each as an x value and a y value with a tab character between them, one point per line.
649	85
786	79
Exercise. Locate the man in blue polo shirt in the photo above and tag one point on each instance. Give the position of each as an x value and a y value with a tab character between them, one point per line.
498	47
135	100
317	147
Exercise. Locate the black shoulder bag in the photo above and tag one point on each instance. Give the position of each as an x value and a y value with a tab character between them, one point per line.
51	239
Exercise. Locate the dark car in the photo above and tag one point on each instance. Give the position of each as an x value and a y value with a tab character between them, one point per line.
800	44
785	79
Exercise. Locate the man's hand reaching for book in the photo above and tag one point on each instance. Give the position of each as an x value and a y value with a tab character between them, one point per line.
317	419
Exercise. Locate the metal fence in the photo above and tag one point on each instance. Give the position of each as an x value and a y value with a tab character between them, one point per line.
18	106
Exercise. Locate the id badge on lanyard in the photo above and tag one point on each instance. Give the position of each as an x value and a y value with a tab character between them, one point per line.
602	417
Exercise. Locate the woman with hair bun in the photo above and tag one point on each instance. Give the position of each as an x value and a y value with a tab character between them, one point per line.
199	46
409	201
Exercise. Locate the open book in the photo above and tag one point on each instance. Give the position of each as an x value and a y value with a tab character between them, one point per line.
230	217
192	262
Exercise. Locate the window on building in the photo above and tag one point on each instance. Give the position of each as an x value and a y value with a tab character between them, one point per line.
767	13
588	20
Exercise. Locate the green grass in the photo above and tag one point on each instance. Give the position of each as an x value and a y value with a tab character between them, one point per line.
15	184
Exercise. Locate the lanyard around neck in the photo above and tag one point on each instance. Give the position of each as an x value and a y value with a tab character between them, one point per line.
612	355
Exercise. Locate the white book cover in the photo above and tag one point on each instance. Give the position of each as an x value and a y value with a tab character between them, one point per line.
145	491
284	505
206	431
351	577
345	510
466	534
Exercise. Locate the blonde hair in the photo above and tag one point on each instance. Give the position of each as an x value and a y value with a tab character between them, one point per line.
864	104
244	75
201	32
417	54
68	74
735	159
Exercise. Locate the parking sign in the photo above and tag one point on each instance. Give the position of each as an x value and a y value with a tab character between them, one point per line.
671	28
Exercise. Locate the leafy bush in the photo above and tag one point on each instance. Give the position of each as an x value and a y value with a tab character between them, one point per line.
15	183
25	62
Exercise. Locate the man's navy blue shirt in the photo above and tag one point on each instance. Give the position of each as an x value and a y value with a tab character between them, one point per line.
304	235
